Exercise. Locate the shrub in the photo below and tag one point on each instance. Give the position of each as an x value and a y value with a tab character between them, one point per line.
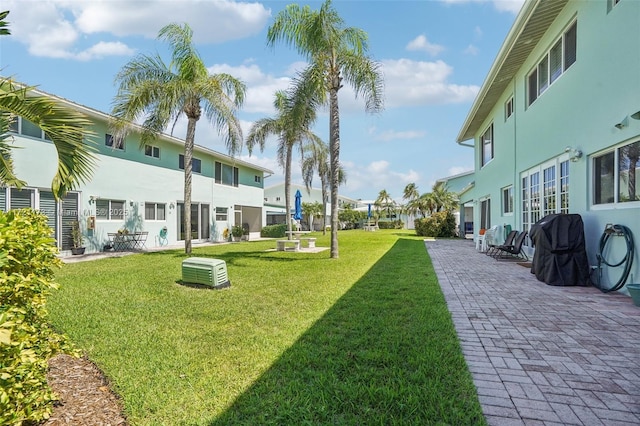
390	224
441	224
274	231
27	264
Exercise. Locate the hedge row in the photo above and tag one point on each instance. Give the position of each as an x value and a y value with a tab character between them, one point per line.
441	224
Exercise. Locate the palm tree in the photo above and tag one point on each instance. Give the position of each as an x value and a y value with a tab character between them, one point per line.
444	199
292	127
385	203
67	129
310	210
160	94
410	195
335	53
317	160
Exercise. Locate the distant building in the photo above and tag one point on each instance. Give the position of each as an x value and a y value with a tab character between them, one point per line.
140	188
274	203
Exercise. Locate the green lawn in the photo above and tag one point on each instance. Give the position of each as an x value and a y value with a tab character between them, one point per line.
298	338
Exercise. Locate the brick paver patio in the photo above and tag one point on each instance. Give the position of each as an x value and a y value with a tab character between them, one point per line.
539	354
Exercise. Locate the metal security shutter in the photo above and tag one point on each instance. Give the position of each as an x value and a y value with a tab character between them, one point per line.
48	208
3	199
69	215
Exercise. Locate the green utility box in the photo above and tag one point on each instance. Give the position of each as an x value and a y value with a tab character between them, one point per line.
205	271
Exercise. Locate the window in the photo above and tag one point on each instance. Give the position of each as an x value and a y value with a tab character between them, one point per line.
152	151
226	174
110	209
615	175
508	108
221	213
487	145
545	190
556	61
257	178
109	141
30	129
507	200
154	211
196	164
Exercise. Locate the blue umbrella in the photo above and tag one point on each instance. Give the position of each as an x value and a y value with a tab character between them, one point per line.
369	211
297	215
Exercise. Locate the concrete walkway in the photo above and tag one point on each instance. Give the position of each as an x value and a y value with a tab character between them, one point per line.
539	354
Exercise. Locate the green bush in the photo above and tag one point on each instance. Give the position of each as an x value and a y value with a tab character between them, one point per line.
390	224
27	264
274	231
441	224
351	218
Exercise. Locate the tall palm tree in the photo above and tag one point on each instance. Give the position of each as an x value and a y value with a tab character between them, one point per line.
67	129
335	53
292	127
410	195
317	160
444	199
385	203
160	93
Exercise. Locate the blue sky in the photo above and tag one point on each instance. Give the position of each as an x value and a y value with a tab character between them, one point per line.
434	55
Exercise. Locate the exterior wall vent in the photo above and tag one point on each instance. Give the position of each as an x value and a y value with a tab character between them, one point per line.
205	271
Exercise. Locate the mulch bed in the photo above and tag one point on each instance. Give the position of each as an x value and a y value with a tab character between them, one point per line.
84	395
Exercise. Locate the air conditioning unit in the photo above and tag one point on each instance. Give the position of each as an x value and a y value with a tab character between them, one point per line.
205	271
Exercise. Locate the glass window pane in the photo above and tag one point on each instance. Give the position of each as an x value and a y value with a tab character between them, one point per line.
196	165
570	46
533	86
160	211
149	211
30	129
102	209
117	210
603	170
218	172
204	221
543	75
227	174
628	157
555	57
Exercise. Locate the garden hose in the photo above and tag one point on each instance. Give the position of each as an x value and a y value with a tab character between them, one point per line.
627	260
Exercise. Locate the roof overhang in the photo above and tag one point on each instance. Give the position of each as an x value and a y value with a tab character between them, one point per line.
106	117
532	22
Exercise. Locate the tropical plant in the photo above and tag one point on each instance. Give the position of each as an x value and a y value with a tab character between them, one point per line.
160	93
410	195
292	127
237	231
335	53
317	160
76	234
443	199
67	129
310	210
386	204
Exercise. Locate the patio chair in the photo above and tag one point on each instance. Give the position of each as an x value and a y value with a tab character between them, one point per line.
492	250
514	251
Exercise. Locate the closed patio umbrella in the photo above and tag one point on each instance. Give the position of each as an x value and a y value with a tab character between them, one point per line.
297	214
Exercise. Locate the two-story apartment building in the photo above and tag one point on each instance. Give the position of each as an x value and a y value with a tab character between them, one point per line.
556	125
134	187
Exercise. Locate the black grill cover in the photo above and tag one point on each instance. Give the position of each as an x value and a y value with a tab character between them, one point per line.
560	257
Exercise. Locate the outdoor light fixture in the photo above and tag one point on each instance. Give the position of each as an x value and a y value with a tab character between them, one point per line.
636	115
574	153
624	123
171	205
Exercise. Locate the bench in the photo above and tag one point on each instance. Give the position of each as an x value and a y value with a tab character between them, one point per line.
311	242
281	245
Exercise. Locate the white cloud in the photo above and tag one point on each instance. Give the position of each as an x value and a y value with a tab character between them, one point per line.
261	87
412	83
421	44
379	175
57	28
456	170
471	50
394	135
